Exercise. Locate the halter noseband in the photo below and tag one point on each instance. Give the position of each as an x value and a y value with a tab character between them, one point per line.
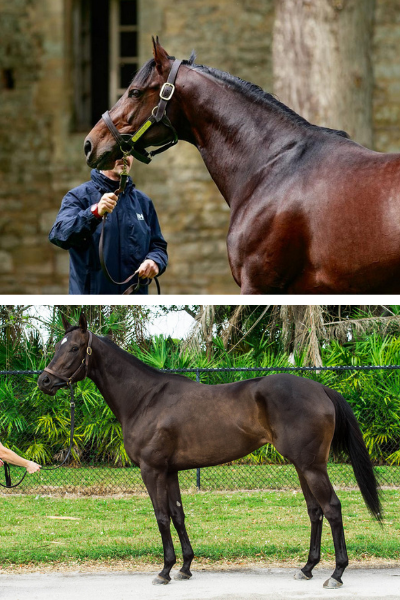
85	363
128	141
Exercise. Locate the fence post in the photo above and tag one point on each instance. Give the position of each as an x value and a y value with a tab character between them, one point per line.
198	469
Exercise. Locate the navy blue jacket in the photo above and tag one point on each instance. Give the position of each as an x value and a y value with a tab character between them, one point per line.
132	234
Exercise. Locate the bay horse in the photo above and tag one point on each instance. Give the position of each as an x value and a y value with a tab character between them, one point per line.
171	423
311	211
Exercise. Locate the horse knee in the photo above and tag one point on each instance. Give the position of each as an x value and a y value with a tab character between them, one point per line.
333	512
163	522
315	513
178	520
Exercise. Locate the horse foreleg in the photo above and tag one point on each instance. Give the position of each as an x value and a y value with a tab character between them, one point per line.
316	518
157	486
321	488
178	519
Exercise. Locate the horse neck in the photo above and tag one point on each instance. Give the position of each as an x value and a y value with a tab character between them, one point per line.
123	383
235	136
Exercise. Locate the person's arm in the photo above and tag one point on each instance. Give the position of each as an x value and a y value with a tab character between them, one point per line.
75	223
13	458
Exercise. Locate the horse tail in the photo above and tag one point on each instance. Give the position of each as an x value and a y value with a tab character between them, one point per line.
348	438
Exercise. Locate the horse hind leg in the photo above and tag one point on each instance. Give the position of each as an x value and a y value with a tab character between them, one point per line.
178	519
316	518
321	488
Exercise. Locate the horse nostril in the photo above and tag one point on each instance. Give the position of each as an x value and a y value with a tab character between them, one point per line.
44	380
87	148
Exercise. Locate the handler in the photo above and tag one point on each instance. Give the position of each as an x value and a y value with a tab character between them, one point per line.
14	459
132	242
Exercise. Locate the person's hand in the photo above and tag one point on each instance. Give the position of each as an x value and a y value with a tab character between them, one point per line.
148	268
1	463
32	467
107	203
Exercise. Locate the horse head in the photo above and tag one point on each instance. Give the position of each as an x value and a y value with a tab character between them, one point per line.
139	104
69	363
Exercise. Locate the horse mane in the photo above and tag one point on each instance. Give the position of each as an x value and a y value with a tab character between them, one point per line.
135	361
250	90
257	94
126	355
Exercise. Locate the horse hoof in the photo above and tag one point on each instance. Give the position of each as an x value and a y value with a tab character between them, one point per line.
160	580
180	576
300	575
332	584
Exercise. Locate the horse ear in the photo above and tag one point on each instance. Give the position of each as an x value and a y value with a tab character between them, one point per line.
160	56
82	322
65	322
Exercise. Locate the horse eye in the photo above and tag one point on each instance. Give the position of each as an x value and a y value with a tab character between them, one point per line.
134	93
74	349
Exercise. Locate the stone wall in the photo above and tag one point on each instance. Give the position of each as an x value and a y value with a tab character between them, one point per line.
41	158
38	155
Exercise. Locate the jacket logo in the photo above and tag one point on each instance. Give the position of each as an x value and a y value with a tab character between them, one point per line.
140	217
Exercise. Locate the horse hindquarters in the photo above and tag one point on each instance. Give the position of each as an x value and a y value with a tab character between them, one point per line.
310	462
302	419
318	489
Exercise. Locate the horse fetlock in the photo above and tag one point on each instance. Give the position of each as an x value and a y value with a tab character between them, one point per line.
188	556
183	576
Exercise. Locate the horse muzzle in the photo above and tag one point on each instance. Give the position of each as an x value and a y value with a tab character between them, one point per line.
48	385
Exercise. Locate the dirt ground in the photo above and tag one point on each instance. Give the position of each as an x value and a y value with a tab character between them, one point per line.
197	565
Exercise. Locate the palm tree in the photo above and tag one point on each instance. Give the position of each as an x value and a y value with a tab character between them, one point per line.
299	330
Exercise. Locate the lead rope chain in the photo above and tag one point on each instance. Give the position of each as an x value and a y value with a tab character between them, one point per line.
124	173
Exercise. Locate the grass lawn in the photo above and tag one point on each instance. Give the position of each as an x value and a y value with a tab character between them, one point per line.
223	526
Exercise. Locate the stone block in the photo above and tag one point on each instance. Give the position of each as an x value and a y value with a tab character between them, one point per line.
6	262
8	242
46	221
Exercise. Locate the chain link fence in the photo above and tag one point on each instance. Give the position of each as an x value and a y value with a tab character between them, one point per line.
38	427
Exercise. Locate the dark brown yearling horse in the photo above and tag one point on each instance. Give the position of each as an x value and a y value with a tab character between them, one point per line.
171	423
311	210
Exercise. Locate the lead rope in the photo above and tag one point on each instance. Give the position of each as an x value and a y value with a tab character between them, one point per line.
136	286
71	439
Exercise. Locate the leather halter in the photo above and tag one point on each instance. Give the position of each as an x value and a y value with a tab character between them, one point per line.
85	363
128	141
